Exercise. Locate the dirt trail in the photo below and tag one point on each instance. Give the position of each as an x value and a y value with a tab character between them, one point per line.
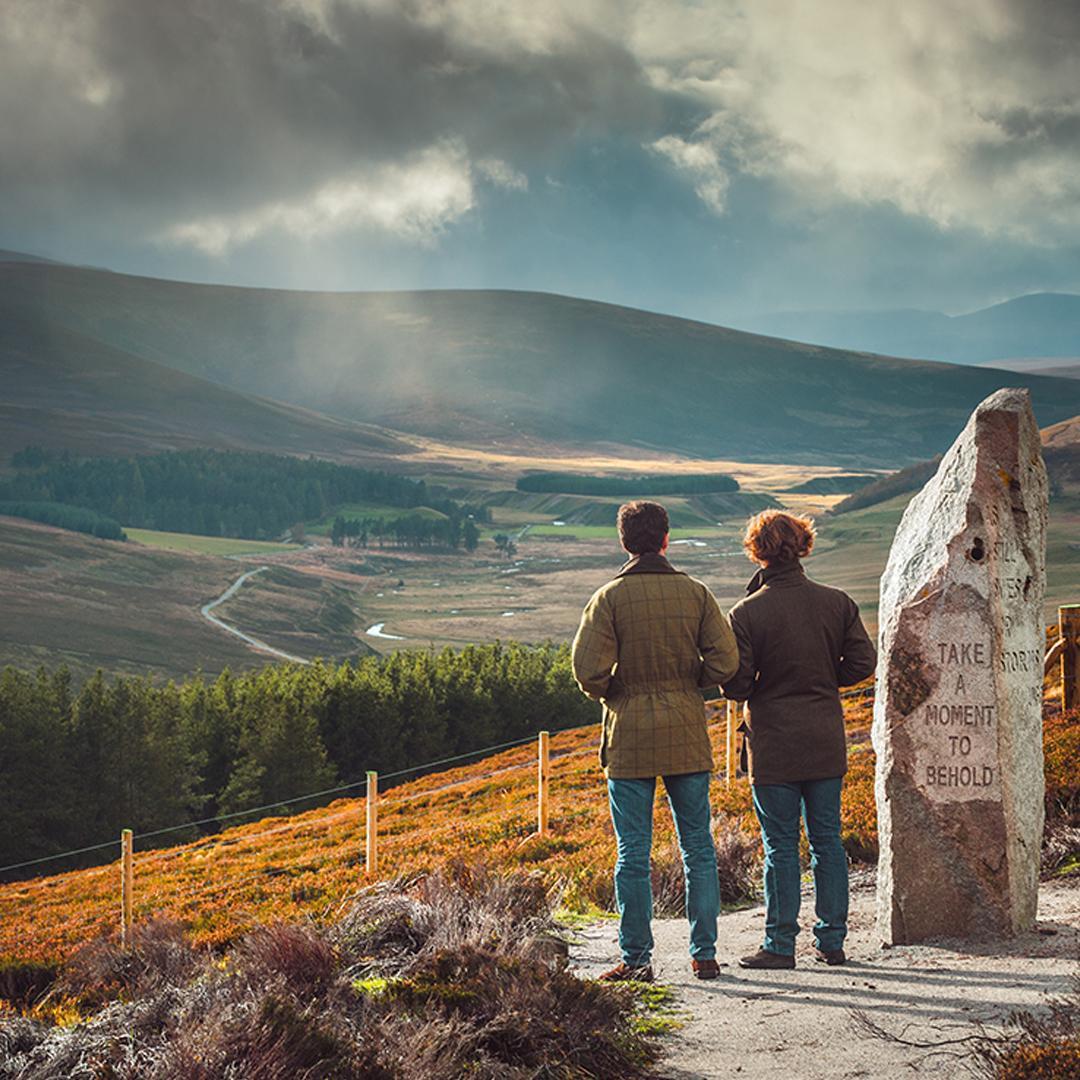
207	613
798	1023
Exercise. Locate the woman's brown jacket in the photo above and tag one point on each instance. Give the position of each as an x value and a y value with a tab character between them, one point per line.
798	643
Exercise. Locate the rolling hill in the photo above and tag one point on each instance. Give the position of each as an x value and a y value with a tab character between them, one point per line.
67	390
305	865
1063	367
134	609
510	368
1061	448
1039	325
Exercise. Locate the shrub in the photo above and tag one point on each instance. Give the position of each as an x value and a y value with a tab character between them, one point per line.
1059	1060
460	981
160	955
23	984
737	857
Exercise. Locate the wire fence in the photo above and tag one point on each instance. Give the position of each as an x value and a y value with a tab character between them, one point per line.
366	791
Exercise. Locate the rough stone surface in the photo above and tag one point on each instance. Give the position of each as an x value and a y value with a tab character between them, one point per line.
958	712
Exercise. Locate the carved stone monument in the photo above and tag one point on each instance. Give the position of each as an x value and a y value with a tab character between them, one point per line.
958	712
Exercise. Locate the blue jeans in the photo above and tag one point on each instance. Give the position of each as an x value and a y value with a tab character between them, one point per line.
778	807
632	815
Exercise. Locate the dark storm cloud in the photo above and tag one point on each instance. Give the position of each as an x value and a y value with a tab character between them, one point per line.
712	152
165	110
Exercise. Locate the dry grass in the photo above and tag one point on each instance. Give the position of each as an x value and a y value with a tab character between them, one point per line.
308	865
445	976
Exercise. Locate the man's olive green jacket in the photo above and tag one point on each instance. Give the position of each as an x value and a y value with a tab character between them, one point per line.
649	642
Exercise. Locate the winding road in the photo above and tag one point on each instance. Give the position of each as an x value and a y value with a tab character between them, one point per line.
254	642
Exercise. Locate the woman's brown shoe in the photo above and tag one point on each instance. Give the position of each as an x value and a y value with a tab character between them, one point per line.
625	973
832	957
771	961
705	969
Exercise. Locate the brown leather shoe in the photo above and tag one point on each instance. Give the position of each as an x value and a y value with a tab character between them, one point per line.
705	969
770	961
626	973
832	957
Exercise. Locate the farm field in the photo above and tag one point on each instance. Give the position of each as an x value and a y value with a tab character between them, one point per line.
371	510
204	545
134	608
308	864
605	532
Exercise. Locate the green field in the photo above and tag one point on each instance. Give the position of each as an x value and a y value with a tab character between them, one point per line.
607	532
204	545
372	510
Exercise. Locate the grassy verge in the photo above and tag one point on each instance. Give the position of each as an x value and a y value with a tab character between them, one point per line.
204	545
458	973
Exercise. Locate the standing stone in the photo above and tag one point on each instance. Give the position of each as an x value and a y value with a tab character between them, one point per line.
958	711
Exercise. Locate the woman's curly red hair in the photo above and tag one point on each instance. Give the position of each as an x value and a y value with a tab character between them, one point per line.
776	537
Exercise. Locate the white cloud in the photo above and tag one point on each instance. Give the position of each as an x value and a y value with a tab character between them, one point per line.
701	163
963	113
416	201
502	175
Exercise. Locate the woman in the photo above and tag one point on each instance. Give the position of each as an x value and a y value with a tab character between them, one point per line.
799	642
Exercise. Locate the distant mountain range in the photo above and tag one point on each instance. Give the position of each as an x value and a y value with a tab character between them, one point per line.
90	357
1042	330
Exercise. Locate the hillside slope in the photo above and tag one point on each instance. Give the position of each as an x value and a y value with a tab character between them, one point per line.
308	864
1061	448
66	390
1061	451
478	367
1037	325
127	608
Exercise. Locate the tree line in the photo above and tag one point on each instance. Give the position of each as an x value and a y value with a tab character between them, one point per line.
650	484
76	518
408	530
256	496
78	765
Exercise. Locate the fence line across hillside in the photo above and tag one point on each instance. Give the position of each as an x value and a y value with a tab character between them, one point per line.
1064	651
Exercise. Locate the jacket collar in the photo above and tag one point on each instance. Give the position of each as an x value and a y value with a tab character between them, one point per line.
780	575
649	563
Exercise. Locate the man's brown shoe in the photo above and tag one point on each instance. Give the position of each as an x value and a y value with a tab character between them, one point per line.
832	957
772	961
705	969
626	973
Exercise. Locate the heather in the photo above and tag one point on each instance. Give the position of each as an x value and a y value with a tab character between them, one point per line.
81	764
462	972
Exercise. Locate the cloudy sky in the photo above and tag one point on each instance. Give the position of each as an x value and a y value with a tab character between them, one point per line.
712	158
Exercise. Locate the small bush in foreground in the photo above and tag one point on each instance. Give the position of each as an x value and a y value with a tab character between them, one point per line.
737	858
447	975
1043	1045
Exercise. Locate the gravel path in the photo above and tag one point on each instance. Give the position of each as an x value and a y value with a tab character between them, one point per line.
207	612
798	1024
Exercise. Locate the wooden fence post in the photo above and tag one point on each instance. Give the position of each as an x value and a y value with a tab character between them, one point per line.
543	773
729	743
1069	629
127	885
372	854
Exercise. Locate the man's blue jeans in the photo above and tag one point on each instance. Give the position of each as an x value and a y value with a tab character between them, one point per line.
778	807
632	815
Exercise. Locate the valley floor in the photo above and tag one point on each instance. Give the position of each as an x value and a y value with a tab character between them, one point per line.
800	1023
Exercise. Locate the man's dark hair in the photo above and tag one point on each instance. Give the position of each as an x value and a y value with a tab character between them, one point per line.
642	526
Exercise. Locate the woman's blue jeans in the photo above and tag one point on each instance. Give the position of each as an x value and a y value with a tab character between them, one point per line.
632	815
778	808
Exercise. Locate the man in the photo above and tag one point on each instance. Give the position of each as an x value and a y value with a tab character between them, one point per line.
799	642
649	642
